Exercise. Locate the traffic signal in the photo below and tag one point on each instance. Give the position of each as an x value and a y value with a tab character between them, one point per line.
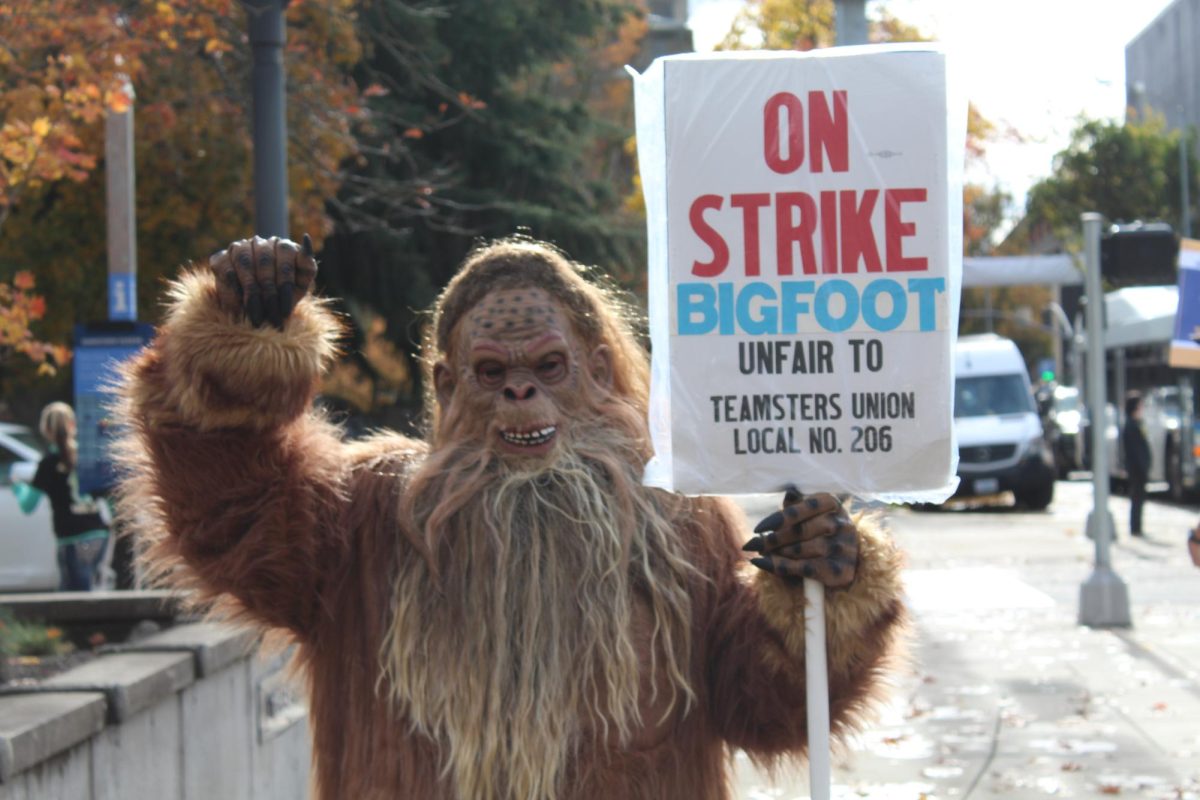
1139	254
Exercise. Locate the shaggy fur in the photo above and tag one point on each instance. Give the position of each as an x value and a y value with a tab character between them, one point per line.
241	495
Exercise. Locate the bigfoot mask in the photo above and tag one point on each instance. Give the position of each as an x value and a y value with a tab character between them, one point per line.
517	372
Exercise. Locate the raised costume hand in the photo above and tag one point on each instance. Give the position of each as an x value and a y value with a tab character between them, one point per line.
812	537
263	279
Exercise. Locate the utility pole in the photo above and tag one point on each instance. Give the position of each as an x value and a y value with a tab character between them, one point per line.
1103	597
1185	203
120	212
850	19
267	37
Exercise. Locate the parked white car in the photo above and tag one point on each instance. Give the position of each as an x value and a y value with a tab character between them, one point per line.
27	548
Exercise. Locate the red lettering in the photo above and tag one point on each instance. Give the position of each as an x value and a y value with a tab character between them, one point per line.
829	242
801	231
789	103
750	204
895	229
829	132
858	239
709	236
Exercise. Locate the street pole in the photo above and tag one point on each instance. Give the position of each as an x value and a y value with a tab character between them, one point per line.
850	17
120	213
1103	597
1185	188
267	36
850	20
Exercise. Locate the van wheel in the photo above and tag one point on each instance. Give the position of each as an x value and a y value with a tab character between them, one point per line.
1038	498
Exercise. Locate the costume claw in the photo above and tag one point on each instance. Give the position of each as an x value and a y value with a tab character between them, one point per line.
770	523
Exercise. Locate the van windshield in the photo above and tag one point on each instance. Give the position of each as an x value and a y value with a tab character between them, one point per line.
987	395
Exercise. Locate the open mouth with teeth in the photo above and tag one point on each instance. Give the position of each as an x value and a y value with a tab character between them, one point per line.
531	439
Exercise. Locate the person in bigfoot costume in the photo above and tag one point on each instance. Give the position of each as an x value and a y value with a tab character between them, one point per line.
501	611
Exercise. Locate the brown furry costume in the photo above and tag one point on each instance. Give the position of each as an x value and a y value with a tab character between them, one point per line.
470	630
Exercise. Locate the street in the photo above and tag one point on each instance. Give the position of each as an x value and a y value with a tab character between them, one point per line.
1005	694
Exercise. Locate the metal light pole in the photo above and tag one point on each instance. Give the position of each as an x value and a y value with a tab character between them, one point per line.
119	177
267	36
850	19
1185	203
1103	597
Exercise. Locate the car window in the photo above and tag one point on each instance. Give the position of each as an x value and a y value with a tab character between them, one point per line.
985	395
29	439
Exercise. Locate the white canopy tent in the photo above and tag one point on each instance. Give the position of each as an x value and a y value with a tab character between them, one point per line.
1140	315
1059	270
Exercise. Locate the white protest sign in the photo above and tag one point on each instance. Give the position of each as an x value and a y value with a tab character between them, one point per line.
805	231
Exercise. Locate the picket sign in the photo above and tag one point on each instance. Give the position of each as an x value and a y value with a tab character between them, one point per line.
804	216
1184	351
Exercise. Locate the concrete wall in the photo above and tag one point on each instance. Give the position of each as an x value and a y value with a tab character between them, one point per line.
192	713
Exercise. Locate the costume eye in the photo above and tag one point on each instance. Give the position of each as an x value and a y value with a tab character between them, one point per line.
552	368
490	374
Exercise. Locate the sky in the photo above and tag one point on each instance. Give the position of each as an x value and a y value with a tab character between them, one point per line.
1033	66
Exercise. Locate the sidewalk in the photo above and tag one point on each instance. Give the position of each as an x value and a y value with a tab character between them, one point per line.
1007	696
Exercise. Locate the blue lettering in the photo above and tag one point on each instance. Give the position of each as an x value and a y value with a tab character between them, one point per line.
768	320
791	307
925	289
870	304
756	309
693	299
725	293
849	315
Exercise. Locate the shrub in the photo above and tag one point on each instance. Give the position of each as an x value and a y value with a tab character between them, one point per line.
18	638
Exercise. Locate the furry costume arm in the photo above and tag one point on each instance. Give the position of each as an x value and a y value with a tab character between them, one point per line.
233	485
756	648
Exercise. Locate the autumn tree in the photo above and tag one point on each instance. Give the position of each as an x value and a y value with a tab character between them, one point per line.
68	63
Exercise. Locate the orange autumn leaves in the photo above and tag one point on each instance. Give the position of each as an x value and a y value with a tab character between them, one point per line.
19	307
65	64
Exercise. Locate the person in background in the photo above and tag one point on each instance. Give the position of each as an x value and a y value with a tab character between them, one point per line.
79	528
1193	544
1137	460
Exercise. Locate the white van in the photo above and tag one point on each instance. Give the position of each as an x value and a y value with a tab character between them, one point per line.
1001	447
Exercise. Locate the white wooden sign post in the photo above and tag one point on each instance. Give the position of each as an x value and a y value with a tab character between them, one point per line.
805	232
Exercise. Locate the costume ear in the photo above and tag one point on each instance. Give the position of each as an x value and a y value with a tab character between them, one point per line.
443	383
601	367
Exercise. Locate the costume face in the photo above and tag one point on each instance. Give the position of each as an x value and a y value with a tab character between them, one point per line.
518	373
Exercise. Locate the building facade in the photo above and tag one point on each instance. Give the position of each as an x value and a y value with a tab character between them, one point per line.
1162	66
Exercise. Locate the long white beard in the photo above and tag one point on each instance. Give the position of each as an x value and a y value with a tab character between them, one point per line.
523	644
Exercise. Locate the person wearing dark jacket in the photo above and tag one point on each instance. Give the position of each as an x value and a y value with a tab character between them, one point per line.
1137	460
79	529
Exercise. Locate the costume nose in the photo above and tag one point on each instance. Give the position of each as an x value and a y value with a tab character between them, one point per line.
519	390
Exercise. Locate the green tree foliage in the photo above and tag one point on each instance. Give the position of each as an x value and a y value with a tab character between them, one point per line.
1125	171
483	119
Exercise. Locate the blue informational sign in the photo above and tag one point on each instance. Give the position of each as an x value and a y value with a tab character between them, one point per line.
100	349
1185	342
122	296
